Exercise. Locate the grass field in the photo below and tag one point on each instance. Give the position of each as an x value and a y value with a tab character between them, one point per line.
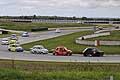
69	42
22	75
25	70
115	36
29	26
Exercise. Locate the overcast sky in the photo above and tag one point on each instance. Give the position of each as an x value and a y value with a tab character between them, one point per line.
79	8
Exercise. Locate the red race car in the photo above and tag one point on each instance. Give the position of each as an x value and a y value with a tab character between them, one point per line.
62	51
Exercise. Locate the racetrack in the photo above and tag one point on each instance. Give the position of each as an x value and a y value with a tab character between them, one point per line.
5	54
49	57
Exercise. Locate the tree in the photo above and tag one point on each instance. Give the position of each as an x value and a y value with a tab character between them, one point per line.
84	18
34	16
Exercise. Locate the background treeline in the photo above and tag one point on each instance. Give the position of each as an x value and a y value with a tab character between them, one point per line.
57	18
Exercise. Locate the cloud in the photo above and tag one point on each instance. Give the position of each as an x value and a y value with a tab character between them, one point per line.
60	4
56	7
72	3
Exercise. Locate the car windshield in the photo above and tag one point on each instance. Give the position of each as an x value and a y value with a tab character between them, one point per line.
91	49
38	47
61	48
13	38
95	49
15	46
4	39
13	35
25	33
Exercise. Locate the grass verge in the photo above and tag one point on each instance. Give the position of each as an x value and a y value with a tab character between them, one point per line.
22	75
26	70
29	26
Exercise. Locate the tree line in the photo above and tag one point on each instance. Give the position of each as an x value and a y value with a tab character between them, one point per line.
57	18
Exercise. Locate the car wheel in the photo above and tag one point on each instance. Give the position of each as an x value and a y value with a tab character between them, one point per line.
101	55
45	53
85	55
54	54
69	54
89	55
9	50
41	53
35	52
32	52
17	51
21	50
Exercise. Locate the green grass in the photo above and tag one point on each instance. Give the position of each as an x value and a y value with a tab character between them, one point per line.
69	42
29	26
26	70
59	66
115	36
104	25
110	49
22	75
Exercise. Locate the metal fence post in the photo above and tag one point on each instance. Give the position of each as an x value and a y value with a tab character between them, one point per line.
13	61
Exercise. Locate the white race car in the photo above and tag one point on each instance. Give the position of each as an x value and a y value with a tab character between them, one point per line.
57	30
38	49
25	34
5	41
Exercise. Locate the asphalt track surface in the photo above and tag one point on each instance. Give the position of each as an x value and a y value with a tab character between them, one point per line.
26	55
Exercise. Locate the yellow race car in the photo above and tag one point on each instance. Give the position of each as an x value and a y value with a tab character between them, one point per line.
12	41
15	48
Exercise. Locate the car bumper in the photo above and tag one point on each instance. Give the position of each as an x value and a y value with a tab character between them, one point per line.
4	43
20	50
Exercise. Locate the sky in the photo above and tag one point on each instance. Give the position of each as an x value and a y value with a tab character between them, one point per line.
78	8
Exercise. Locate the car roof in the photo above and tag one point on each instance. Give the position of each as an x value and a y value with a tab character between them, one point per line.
25	32
14	38
4	38
61	47
38	46
13	34
91	48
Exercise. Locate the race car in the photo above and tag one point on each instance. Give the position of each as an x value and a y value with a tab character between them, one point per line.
62	51
25	34
13	41
5	41
92	52
15	48
57	30
13	37
39	49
